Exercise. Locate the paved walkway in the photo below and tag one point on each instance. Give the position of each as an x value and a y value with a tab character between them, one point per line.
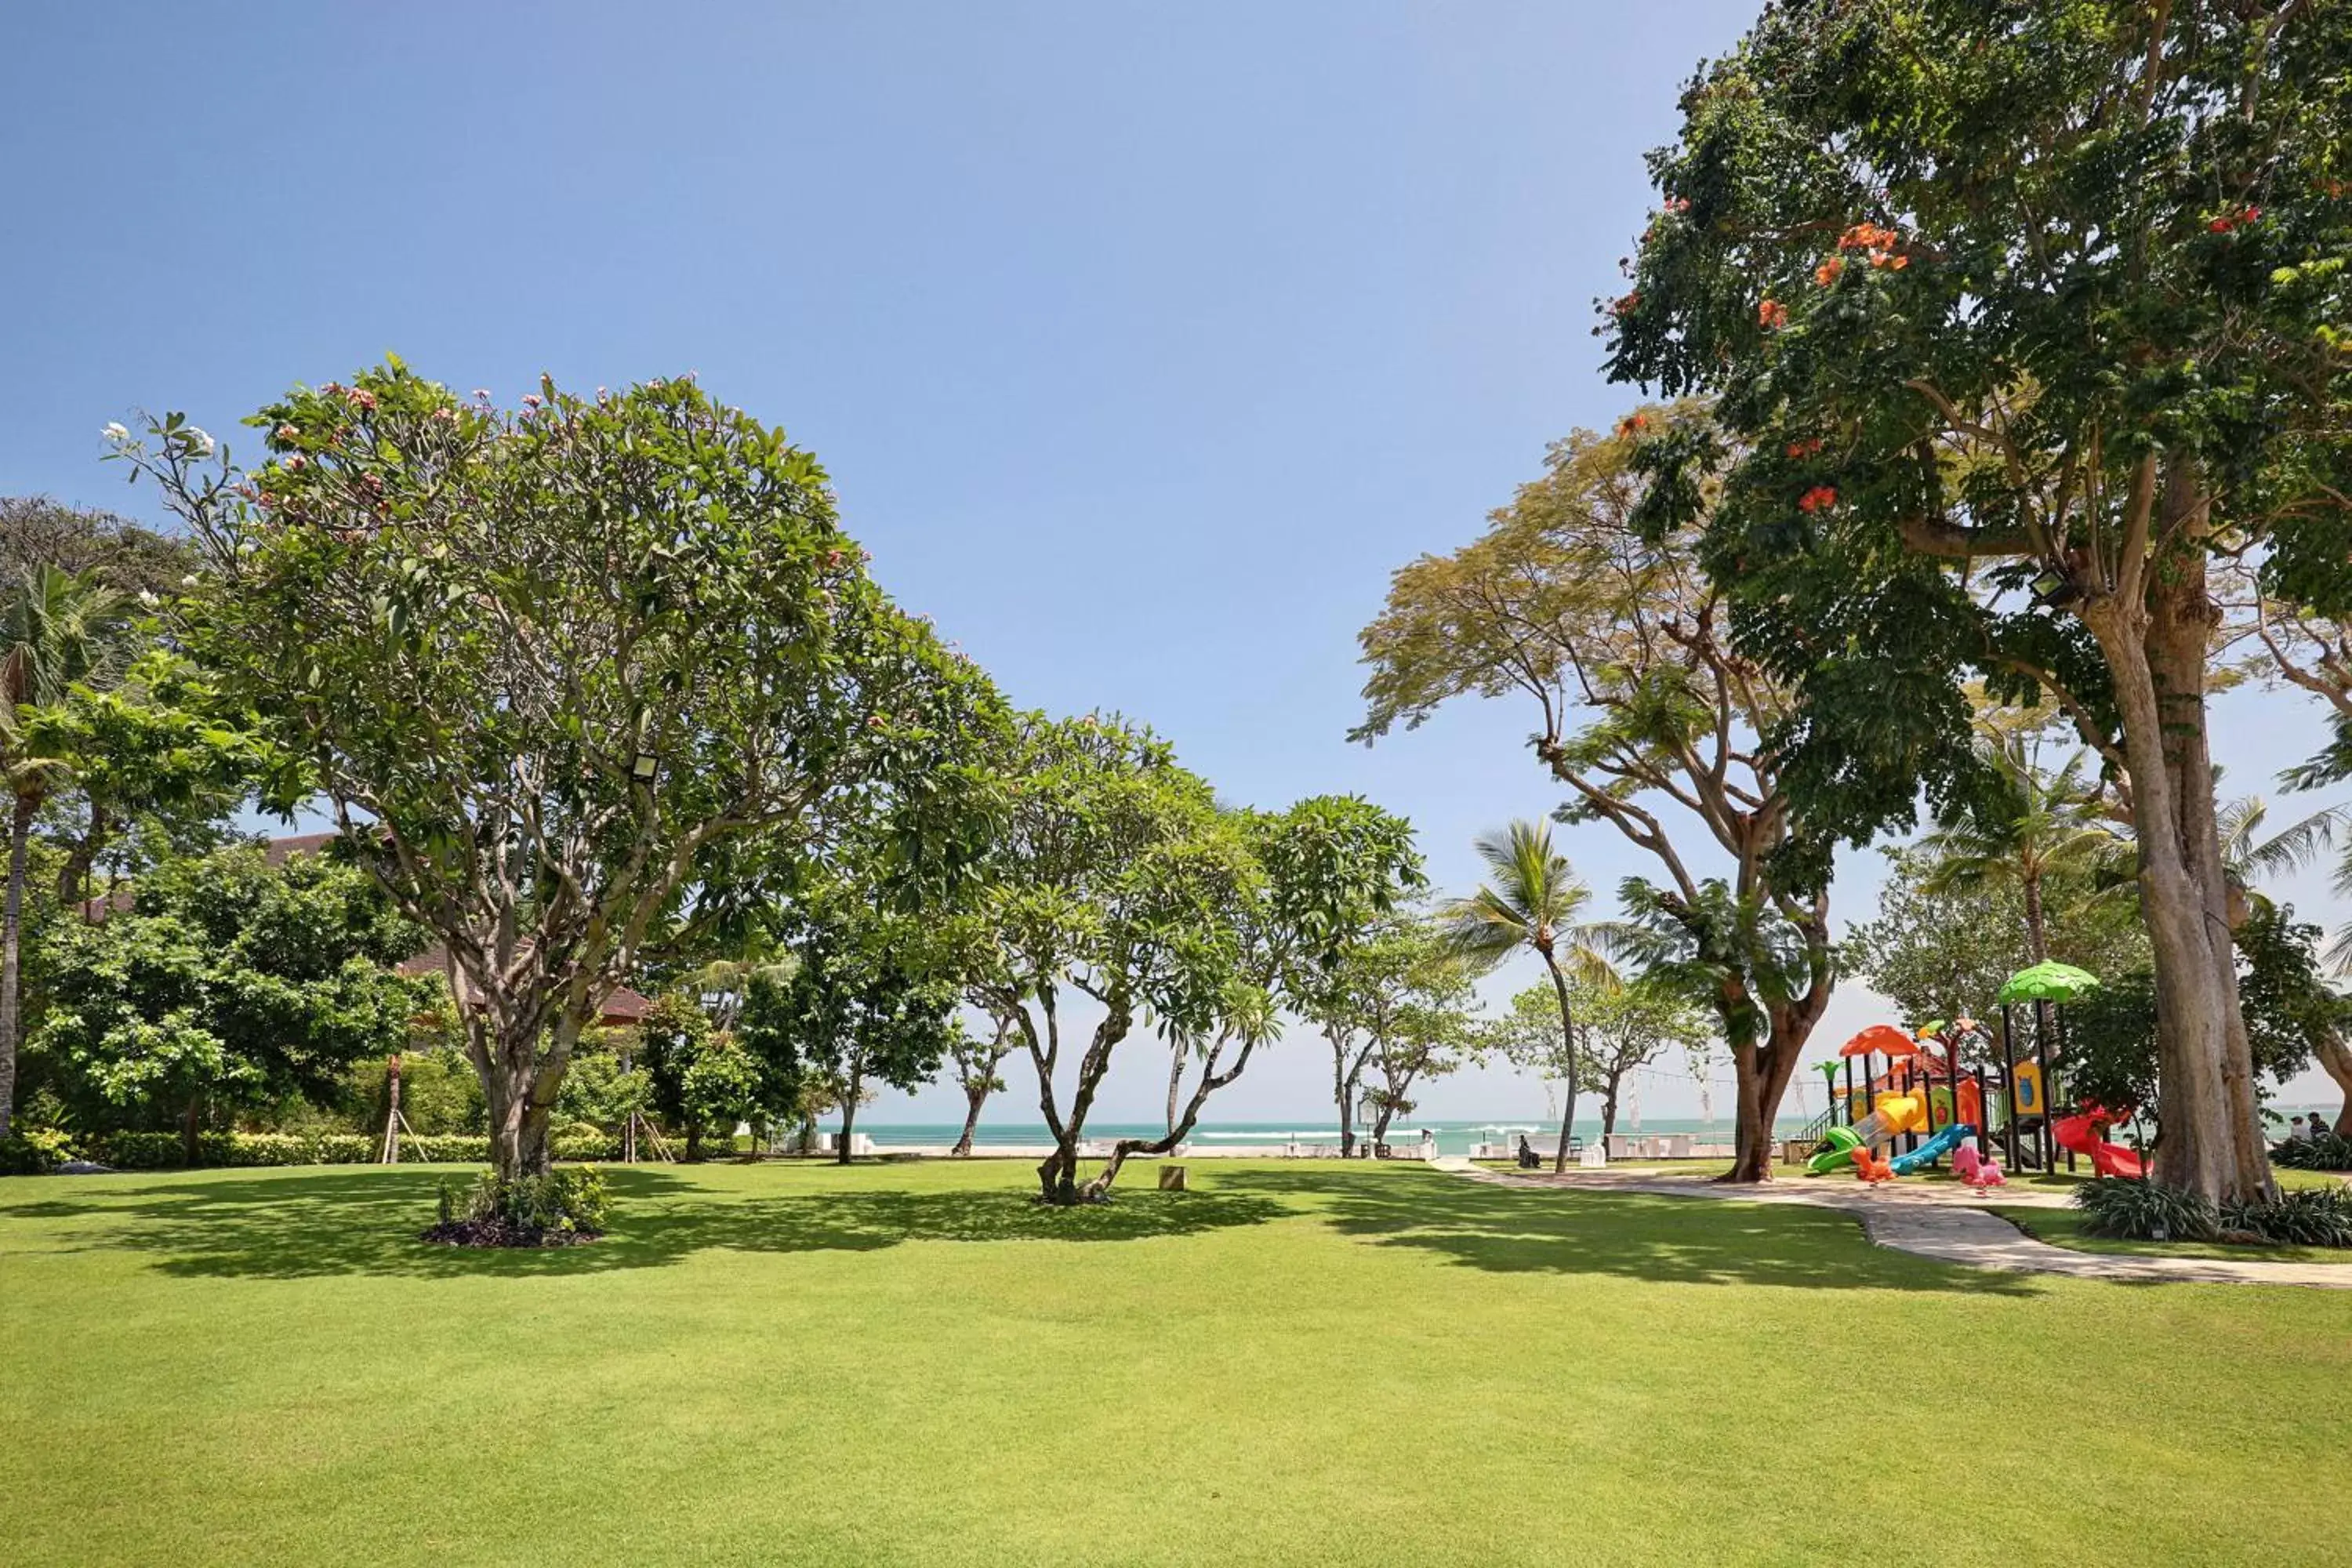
1941	1221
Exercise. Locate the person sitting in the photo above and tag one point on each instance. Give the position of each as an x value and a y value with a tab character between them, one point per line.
1527	1161
2297	1132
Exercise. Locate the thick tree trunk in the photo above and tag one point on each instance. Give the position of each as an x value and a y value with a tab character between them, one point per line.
974	1096
1098	1189
1609	1110
2156	652
1567	1046
2037	928
192	1124
2335	1059
1761	1075
12	917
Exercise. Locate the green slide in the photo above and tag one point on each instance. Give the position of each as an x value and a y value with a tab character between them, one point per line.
1842	1142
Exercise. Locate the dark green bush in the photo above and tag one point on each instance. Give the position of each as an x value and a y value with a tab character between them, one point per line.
2303	1216
2144	1211
2323	1151
34	1151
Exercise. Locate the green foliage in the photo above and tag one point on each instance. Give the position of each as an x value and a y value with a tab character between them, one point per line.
599	1092
1956	273
1944	954
34	1151
870	998
232	978
2322	1150
2298	1216
528	1210
2125	1210
597	672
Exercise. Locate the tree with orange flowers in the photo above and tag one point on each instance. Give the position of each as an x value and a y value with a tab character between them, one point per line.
2066	338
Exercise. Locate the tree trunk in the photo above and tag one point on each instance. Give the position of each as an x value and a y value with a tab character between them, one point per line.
2156	652
1175	1079
1609	1109
849	1114
1762	1075
2336	1058
2037	927
20	843
191	1125
975	1097
1568	1042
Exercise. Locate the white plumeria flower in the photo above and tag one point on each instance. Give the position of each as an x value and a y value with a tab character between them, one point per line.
202	442
147	597
116	432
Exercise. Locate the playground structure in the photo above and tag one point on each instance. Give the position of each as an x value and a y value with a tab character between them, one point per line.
1951	1090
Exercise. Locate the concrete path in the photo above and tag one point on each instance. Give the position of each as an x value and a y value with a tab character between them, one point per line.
1941	1221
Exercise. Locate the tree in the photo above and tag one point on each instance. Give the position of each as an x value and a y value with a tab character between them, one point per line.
232	980
1646	713
1531	900
577	681
699	1078
871	998
1946	954
57	628
1113	876
2018	321
1327	875
2034	825
1429	1034
116	552
977	1063
1628	1027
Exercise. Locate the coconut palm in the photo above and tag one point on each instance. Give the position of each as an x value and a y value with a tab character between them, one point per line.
1531	900
2047	823
56	629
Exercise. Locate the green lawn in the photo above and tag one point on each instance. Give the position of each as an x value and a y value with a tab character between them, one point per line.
908	1364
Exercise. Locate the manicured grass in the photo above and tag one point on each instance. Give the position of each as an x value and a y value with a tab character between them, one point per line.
1292	1363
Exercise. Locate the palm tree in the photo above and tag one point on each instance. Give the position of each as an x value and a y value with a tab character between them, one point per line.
1531	900
56	629
2047	823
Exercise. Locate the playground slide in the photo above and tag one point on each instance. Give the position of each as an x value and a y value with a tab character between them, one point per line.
1838	1145
1934	1149
2079	1134
1893	1113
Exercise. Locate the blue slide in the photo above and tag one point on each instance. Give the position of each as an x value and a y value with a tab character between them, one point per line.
1933	1149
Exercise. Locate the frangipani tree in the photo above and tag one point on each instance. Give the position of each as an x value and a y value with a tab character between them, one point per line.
577	680
2021	322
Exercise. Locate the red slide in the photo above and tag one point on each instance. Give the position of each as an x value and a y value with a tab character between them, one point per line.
2080	1132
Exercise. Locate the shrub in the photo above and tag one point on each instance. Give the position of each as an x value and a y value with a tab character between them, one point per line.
34	1151
553	1210
138	1151
2309	1217
2128	1210
2322	1151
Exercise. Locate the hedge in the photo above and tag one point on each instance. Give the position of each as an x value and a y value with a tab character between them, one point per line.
164	1151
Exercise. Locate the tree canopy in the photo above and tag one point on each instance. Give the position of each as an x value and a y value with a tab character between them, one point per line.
575	679
2018	321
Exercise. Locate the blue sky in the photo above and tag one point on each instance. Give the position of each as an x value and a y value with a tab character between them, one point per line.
1142	343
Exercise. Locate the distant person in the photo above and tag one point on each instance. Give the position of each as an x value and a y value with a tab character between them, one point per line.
2296	1132
1527	1161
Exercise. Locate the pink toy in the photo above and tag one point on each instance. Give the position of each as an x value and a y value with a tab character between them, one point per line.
1978	1170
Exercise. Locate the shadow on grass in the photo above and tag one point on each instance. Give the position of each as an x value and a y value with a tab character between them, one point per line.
1699	1241
298	1225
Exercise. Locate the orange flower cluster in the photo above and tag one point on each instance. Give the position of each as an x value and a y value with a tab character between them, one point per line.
1772	315
2238	219
1820	497
1877	242
1633	424
1626	304
1828	272
1805	449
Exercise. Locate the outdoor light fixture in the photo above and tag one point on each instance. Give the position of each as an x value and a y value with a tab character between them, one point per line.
645	767
2052	590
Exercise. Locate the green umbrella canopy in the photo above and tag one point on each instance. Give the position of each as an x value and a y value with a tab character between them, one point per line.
2049	982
